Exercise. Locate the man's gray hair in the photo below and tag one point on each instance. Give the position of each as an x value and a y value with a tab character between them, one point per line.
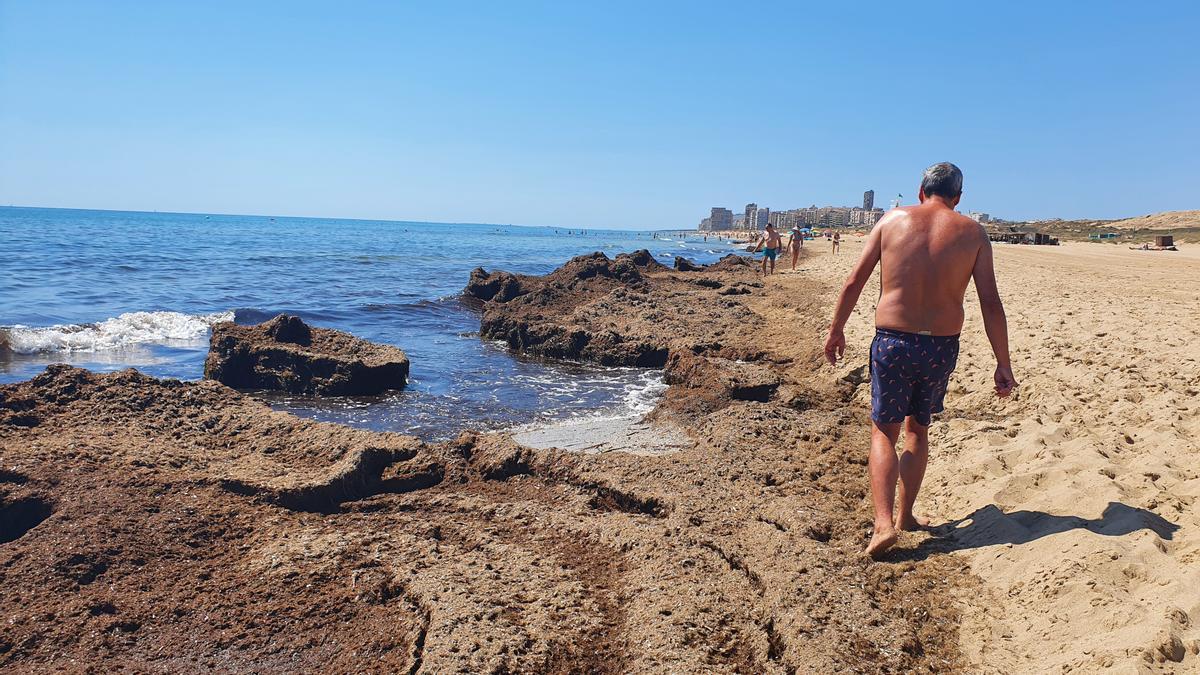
942	179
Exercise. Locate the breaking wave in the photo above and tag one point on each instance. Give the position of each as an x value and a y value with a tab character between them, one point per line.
641	397
132	328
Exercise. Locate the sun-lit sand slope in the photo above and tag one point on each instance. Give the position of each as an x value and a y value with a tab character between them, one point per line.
1168	220
1075	502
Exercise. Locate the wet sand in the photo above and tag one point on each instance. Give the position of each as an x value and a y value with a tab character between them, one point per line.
631	433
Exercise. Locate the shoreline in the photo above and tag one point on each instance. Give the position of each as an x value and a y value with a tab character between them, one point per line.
185	497
478	542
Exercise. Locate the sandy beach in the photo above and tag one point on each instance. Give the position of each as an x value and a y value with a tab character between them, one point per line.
415	340
1074	502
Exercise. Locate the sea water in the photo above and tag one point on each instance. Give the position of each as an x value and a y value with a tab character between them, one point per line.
108	290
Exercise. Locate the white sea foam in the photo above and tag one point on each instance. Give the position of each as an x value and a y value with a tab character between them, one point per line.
133	328
643	396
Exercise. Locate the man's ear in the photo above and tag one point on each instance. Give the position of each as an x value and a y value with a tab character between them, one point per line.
921	195
957	199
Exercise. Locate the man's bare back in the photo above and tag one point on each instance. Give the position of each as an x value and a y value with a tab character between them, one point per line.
927	254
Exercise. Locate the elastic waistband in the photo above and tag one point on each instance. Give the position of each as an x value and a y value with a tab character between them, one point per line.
888	332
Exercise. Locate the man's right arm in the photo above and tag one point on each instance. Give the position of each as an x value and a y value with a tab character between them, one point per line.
995	323
835	343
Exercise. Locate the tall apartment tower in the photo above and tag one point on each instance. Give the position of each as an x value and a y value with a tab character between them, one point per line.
764	217
869	200
721	219
751	216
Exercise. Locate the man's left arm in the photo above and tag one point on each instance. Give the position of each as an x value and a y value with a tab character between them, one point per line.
995	324
835	343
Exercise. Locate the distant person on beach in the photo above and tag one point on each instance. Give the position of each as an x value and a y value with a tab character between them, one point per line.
927	255
795	243
837	241
772	241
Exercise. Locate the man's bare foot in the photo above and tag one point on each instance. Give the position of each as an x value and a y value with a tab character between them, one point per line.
881	541
911	522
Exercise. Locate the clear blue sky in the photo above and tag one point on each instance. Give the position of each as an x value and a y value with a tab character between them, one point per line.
601	114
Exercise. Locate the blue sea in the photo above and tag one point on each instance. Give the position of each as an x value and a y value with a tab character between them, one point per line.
108	290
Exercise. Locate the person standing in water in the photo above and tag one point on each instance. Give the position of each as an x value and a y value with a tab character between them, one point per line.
772	241
795	243
927	255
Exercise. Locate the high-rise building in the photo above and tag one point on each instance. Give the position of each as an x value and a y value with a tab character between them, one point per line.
721	219
868	200
783	220
764	217
751	222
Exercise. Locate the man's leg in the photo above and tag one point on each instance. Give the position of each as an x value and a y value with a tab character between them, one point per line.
912	472
884	470
764	265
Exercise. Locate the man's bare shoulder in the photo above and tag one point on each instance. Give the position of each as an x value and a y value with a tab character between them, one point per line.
969	227
894	217
966	222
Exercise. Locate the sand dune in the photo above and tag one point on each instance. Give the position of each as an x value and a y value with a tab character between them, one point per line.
1074	502
1167	220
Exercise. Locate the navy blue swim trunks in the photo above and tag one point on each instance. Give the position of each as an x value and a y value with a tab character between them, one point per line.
770	253
909	374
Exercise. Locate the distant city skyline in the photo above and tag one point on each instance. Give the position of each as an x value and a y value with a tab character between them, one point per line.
608	115
755	217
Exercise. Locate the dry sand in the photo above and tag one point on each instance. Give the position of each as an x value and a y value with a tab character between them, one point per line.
1075	501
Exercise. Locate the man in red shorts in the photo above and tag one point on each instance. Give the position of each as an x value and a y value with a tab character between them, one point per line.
927	255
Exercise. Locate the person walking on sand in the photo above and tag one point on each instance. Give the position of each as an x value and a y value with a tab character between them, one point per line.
795	243
927	255
837	241
771	240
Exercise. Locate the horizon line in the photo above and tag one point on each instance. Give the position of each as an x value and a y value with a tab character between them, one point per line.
573	227
363	220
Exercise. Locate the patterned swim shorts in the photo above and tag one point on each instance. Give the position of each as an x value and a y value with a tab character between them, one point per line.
909	374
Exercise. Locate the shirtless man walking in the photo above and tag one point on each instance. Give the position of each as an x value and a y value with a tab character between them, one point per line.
772	241
927	254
